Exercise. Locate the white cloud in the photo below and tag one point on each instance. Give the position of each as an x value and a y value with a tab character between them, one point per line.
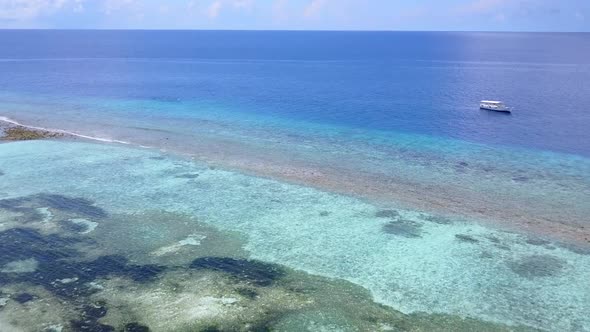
111	6
280	12
500	17
314	8
30	9
164	9
78	6
480	6
214	9
243	4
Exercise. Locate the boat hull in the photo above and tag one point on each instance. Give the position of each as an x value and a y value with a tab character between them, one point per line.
505	110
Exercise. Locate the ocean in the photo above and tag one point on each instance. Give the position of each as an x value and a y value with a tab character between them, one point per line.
348	180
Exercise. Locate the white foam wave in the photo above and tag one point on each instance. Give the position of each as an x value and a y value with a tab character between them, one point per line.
65	132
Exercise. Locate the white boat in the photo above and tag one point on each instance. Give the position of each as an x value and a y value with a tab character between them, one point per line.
493	105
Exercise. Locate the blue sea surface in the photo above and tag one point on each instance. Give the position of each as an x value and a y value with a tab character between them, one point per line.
418	82
295	181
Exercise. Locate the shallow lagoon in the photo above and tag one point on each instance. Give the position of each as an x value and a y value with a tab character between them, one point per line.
106	236
542	192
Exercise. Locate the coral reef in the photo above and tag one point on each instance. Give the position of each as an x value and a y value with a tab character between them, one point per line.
18	133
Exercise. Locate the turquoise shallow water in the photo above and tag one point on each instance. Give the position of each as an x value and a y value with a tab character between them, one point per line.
540	191
304	179
409	260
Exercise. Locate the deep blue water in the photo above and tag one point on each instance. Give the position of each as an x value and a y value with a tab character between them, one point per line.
386	117
418	82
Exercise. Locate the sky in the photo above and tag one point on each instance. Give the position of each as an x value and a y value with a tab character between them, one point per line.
439	15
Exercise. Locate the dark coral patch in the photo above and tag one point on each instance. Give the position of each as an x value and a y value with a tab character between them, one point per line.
493	239
497	242
466	238
23	298
90	326
94	311
404	228
247	292
70	280
187	176
324	214
486	255
24	243
10	203
28	214
535	241
142	273
71	226
258	273
520	178
578	249
535	266
77	206
60	271
387	214
136	327
1	173
461	167
502	246
57	271
91	313
436	219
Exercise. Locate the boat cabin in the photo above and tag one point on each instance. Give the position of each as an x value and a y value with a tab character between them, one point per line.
493	105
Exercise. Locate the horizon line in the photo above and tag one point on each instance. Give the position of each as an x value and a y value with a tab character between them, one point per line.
284	30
